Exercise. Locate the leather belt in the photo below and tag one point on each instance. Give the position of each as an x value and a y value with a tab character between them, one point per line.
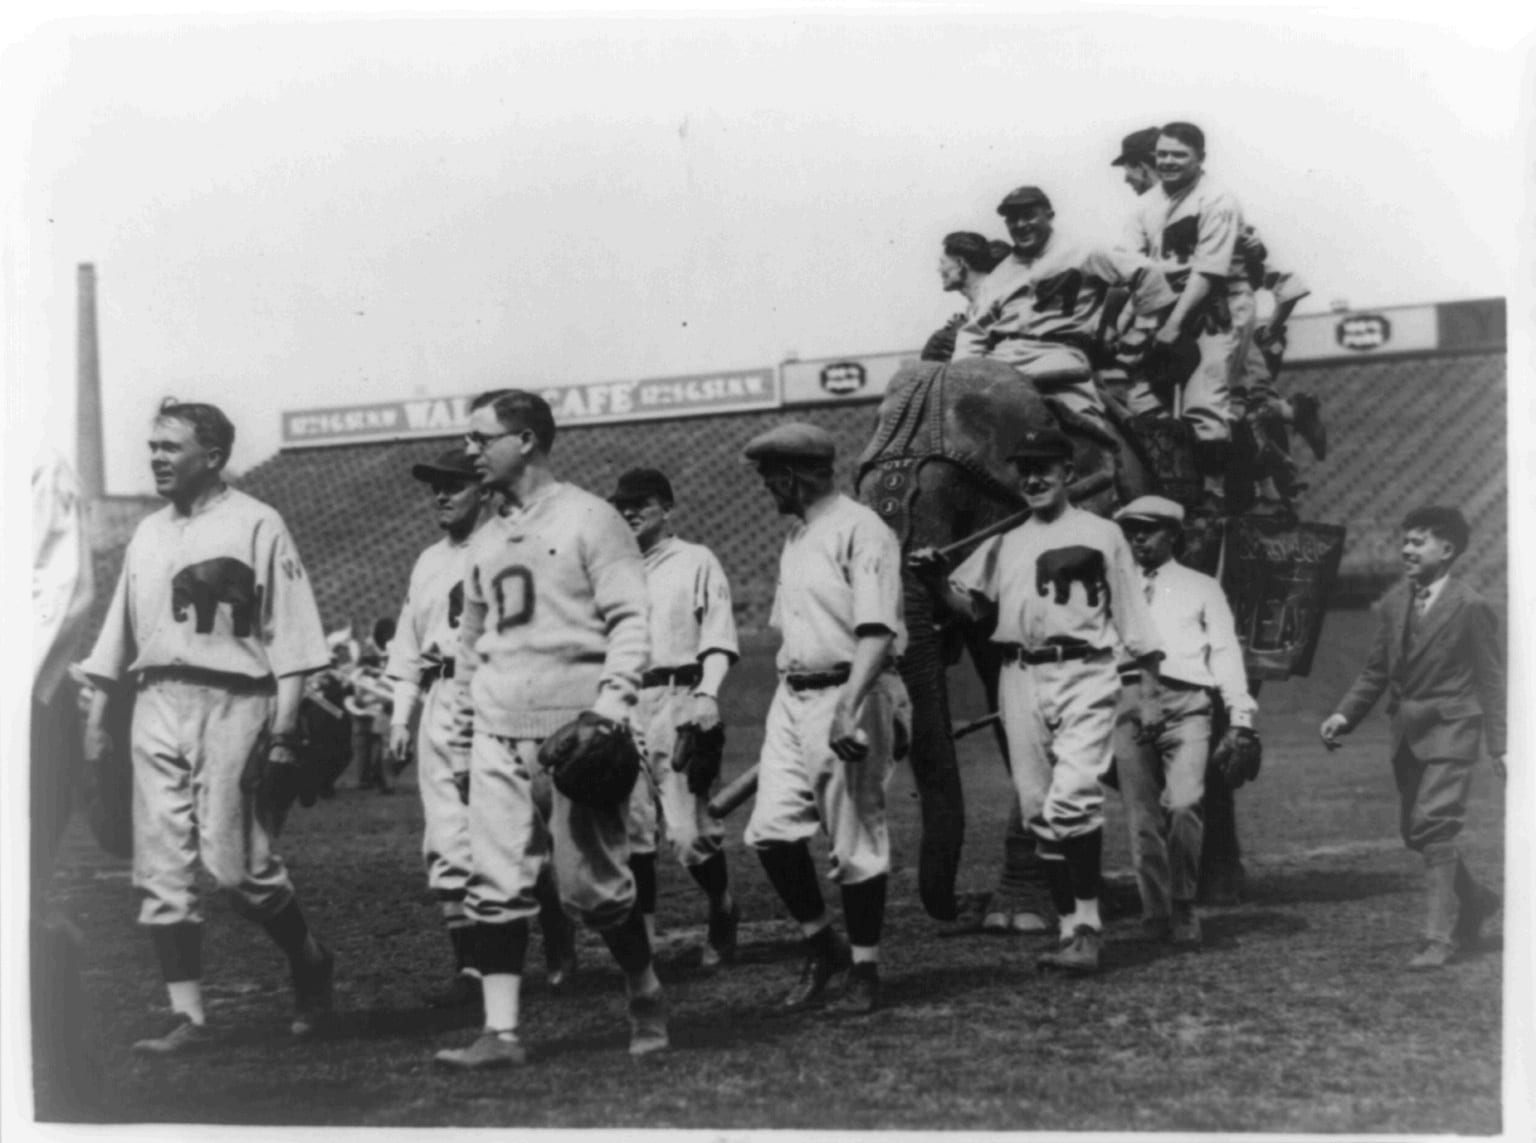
203	677
1050	653
688	675
443	670
820	680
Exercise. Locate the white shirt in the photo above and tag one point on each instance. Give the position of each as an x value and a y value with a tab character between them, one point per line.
690	604
427	634
1199	636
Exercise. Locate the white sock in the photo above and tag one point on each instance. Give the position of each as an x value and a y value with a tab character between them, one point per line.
187	999
501	990
643	983
1088	913
1068	923
866	954
809	929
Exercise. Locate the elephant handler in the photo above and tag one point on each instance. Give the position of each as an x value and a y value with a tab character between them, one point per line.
837	718
1065	595
214	624
1162	767
1041	309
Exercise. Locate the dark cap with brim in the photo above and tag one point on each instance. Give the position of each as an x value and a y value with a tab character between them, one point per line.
1042	444
1021	198
794	443
639	484
1138	147
455	464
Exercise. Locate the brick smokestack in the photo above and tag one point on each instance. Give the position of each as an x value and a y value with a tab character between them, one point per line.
90	459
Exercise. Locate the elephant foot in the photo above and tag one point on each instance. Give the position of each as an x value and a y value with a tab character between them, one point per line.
1222	885
970	911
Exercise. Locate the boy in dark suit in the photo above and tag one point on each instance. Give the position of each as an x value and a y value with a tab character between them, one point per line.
1439	658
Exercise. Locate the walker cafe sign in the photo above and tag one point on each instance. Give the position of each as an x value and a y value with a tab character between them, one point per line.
595	403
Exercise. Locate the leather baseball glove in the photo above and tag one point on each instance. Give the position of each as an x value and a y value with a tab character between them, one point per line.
698	753
1237	756
277	784
592	760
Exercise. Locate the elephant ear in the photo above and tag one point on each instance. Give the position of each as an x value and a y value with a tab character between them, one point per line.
989	406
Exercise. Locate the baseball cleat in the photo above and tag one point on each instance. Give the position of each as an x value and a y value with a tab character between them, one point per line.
1484	903
186	1037
720	946
313	992
490	1050
1029	924
817	973
463	991
648	1024
860	995
1185	930
1078	956
1432	955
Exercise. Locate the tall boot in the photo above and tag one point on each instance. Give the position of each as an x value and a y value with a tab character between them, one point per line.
1441	863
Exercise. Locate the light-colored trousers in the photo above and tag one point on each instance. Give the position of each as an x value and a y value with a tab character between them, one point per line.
1059	719
190	743
445	838
518	823
662	804
1206	399
1162	783
802	787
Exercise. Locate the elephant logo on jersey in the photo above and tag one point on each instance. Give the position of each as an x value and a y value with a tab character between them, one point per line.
1059	568
203	586
455	604
1180	239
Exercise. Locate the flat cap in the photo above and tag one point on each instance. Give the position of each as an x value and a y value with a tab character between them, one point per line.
455	464
1138	147
1021	197
640	484
1042	444
1154	509
794	441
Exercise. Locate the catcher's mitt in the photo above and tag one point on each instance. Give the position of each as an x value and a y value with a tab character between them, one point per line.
699	754
592	760
1237	756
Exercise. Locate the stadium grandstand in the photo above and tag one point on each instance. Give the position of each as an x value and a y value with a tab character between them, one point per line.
1413	399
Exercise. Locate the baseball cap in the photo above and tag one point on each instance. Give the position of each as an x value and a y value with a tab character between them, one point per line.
794	441
640	484
1021	197
1042	444
455	463
1154	509
1138	147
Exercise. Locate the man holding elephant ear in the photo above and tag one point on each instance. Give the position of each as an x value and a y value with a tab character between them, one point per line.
1064	592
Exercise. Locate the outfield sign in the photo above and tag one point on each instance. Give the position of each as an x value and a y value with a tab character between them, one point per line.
1450	327
841	380
593	403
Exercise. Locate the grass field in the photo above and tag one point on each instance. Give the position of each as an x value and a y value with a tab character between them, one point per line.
1296	1017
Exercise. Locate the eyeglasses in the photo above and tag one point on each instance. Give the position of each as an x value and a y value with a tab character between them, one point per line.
481	441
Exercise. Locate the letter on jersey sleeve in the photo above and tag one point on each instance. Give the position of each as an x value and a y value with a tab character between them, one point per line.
293	634
875	575
712	609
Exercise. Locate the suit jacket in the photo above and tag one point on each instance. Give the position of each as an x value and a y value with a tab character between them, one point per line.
1447	690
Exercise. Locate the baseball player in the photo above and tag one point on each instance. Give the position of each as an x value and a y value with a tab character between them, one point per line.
1191	226
214	625
1063	591
1162	767
837	717
1138	159
554	624
693	644
1042	308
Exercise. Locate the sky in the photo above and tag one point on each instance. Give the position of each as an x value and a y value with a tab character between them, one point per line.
291	213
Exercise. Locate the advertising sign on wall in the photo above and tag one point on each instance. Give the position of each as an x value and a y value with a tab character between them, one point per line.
841	380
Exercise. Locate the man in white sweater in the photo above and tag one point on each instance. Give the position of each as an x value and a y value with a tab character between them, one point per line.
554	624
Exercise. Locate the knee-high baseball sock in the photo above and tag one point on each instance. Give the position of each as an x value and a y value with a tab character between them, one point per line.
1085	864
643	867
631	947
792	874
290	932
179	949
459	927
500	950
714	877
1058	878
864	914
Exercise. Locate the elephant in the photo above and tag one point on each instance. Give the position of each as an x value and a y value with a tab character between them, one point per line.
203	586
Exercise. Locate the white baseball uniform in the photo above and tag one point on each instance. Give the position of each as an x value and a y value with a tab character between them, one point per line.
554	608
422	652
210	610
1196	230
1071	582
1042	315
690	617
840	571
